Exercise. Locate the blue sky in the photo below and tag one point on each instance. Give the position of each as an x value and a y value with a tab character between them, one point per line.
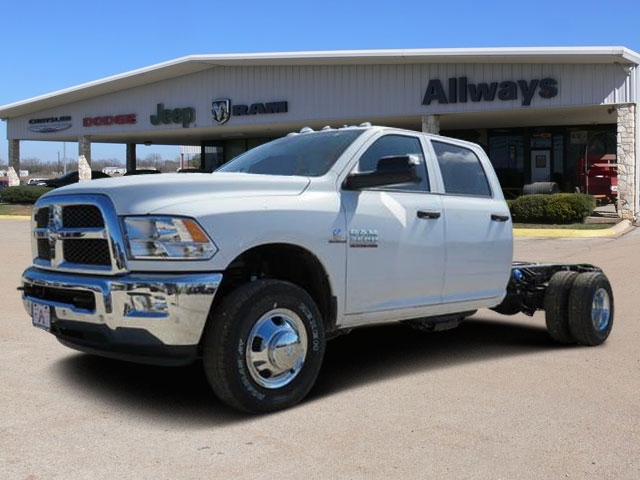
48	46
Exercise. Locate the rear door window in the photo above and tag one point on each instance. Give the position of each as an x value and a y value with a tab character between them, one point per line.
462	171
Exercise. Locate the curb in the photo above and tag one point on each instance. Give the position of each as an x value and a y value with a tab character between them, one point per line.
617	230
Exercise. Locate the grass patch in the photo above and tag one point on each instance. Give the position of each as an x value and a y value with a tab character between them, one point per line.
573	226
15	209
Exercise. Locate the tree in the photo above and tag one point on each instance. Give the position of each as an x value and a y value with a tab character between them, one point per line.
108	162
35	166
153	160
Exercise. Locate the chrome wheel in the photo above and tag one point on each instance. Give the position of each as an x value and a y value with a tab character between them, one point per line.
590	308
276	348
601	309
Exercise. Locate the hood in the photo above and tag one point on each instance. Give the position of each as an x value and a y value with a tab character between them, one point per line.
140	194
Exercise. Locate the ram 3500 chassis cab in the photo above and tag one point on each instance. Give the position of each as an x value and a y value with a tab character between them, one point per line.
252	268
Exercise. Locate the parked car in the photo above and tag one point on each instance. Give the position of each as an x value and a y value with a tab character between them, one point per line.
36	181
4	182
69	178
141	171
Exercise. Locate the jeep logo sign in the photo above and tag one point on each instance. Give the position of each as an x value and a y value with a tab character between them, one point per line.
460	91
222	110
185	116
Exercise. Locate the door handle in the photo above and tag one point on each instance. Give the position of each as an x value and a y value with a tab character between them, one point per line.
499	218
430	214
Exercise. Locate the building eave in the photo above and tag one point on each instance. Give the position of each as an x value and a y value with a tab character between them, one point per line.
195	63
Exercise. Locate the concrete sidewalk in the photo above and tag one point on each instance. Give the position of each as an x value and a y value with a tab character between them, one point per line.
616	230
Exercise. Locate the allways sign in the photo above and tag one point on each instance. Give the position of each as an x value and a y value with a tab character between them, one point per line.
460	90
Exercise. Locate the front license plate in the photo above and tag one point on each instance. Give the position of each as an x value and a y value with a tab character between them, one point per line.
41	316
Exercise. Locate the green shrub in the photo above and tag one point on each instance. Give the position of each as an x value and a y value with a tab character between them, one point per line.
23	194
557	208
529	208
569	207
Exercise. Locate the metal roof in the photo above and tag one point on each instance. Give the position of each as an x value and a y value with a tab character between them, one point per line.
196	63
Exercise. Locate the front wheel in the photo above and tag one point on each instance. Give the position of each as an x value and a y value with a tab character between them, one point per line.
264	346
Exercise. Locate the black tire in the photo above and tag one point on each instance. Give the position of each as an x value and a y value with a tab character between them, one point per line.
263	347
591	308
556	306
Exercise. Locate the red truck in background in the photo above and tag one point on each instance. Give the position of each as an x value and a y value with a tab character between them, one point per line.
598	176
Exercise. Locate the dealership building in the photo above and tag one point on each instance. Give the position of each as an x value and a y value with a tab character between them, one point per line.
536	111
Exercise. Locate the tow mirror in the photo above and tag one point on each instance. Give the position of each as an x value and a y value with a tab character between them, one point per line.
391	170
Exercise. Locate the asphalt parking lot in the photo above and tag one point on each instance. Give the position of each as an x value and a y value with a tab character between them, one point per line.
492	399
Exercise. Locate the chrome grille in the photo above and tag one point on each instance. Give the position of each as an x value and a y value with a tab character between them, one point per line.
77	233
90	252
82	216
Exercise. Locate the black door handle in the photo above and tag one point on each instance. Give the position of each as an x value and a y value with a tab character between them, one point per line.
428	214
499	218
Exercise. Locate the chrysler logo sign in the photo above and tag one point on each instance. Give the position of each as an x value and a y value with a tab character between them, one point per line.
49	124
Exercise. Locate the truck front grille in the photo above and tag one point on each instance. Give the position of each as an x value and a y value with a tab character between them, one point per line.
82	216
79	299
77	233
90	252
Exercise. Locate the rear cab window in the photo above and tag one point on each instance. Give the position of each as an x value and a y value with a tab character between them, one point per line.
461	169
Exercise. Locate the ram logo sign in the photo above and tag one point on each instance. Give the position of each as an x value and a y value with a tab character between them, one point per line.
222	110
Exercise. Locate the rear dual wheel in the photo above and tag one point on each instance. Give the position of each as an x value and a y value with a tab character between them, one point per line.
579	307
556	306
591	308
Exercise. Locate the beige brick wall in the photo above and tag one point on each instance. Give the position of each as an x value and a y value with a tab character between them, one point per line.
626	160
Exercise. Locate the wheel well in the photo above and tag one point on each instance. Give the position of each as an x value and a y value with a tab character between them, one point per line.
282	262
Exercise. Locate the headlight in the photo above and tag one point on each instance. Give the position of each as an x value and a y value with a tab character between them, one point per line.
167	238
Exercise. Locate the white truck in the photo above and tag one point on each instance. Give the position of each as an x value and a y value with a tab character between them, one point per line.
252	268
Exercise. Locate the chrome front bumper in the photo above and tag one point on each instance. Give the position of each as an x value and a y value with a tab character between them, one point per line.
169	309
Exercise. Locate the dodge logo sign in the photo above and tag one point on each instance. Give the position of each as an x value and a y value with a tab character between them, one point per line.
221	110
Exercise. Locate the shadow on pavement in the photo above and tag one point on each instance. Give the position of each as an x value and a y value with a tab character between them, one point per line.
182	394
377	353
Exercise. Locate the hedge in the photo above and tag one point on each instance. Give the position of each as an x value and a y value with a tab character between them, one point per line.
557	208
23	194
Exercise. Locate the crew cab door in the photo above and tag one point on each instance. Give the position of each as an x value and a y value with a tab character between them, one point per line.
477	221
395	237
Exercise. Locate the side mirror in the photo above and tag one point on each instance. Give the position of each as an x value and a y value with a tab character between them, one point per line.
391	170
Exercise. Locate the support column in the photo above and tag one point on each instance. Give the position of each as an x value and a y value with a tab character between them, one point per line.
84	147
14	154
14	163
626	158
131	157
431	124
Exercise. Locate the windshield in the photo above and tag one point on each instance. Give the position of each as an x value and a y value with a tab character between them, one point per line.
307	154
